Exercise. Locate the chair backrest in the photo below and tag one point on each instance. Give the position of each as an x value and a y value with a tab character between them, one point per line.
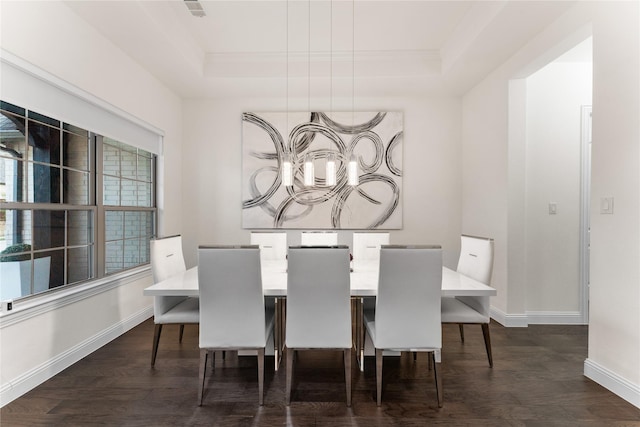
476	258
318	298
408	299
366	247
319	238
273	246
166	257
232	311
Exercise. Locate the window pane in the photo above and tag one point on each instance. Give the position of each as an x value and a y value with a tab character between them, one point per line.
114	256
15	228
44	143
110	160
12	108
78	264
12	131
12	183
76	187
79	228
114	225
145	252
144	169
76	151
48	229
128	164
149	217
132	252
133	224
48	270
111	191
144	194
43	119
15	277
19	252
44	183
128	195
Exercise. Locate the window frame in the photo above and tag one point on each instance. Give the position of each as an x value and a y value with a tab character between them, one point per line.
95	204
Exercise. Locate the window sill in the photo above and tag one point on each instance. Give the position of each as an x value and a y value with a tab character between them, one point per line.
37	305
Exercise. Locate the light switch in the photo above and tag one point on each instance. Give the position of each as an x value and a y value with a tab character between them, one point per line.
553	208
606	205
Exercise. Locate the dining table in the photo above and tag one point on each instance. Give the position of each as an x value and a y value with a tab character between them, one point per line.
364	284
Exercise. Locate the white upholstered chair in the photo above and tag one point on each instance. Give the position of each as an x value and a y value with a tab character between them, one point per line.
232	314
366	248
407	310
318	305
476	261
318	238
273	246
166	261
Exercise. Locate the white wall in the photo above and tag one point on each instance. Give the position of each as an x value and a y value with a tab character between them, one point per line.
555	95
493	141
431	165
494	158
46	338
614	313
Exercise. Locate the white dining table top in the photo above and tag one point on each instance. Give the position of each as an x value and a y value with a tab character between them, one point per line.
364	282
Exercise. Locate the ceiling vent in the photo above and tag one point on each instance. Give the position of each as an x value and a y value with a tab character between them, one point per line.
195	8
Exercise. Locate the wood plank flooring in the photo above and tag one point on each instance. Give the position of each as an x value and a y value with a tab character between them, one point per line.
536	381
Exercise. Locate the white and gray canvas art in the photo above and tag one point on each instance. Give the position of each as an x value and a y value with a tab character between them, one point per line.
373	138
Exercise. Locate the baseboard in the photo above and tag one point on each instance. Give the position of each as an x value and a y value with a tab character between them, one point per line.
612	382
555	318
509	320
537	318
36	376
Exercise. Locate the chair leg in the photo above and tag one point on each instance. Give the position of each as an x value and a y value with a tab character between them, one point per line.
379	376
261	376
213	358
289	375
461	326
347	374
181	333
487	342
204	354
156	340
438	378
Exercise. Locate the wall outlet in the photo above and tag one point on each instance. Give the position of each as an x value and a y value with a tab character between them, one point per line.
7	306
553	208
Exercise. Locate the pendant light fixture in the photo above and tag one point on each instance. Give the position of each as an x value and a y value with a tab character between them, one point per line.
287	167
331	170
352	169
309	176
330	167
287	171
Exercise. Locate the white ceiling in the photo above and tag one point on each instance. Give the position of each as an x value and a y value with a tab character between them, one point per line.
256	47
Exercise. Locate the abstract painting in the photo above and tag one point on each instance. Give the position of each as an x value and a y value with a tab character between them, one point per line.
373	139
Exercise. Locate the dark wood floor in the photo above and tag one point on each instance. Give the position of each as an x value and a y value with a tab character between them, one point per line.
536	381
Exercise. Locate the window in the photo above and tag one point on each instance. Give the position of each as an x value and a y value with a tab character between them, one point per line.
74	205
127	175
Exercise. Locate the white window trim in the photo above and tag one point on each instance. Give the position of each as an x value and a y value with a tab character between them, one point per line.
51	301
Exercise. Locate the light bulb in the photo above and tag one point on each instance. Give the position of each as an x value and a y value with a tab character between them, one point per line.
330	175
287	172
309	178
353	171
